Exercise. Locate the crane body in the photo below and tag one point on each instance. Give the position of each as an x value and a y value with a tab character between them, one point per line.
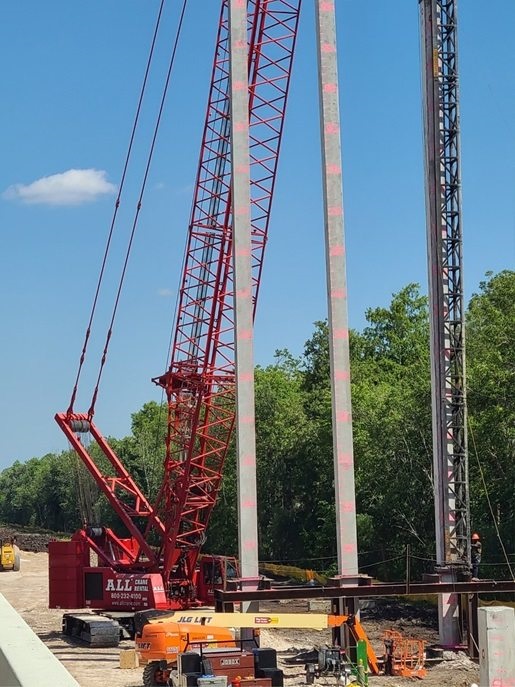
157	563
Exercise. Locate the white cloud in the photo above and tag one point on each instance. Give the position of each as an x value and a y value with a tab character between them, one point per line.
165	292
185	190
74	187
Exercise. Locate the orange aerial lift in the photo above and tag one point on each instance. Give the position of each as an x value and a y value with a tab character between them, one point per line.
161	639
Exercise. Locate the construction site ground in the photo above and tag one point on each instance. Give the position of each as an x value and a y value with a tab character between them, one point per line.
27	591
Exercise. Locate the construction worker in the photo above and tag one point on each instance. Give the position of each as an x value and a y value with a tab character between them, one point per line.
475	555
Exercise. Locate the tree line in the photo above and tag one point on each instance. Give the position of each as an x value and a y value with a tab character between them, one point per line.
391	400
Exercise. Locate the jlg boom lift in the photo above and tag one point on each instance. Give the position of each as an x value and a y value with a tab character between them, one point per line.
161	639
158	564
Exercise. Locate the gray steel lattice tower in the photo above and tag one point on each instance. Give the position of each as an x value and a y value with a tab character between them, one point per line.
444	236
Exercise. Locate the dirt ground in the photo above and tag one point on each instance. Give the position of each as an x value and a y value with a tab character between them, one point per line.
27	591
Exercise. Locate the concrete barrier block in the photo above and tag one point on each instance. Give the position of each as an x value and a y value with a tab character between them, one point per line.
24	659
496	646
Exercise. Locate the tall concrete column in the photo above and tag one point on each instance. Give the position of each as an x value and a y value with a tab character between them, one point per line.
346	536
244	330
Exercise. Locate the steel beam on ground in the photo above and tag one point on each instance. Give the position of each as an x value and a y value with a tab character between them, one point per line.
243	308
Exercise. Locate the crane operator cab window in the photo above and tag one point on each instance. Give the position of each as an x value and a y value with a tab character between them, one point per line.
230	572
213	573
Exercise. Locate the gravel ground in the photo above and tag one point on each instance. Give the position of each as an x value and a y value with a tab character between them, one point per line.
27	591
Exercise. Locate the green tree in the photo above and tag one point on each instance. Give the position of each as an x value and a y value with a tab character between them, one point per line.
392	435
491	402
281	427
392	420
392	444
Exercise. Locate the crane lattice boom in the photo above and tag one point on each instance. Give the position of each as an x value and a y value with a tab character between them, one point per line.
200	379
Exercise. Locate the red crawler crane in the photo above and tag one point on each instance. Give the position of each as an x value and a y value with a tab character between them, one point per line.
132	573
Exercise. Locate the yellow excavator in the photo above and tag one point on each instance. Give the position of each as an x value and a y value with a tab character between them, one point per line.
9	555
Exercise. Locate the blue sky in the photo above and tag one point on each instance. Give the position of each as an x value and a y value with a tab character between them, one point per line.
70	79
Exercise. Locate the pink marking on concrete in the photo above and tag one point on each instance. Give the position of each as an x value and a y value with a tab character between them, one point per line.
336	251
239	85
248	461
328	47
347	506
240	45
349	548
250	544
332	128
327	6
245	334
241	210
249	504
338	293
243	293
241	126
343	375
341	333
345	460
330	88
243	252
246	376
333	169
335	211
247	419
342	416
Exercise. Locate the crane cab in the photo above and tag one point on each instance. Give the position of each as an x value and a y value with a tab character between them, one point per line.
214	572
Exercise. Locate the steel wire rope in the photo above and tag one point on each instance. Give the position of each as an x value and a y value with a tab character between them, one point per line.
387	560
368	565
138	206
83	488
168	354
323	558
490	503
117	205
422	558
484	565
161	402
